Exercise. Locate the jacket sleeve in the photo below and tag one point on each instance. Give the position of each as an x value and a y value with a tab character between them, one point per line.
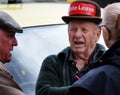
48	82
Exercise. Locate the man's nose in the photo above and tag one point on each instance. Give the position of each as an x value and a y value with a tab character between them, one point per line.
15	43
78	33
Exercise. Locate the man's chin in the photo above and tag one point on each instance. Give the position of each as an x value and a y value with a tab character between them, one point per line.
78	49
7	60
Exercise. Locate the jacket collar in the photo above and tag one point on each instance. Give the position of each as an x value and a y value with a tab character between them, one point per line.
112	55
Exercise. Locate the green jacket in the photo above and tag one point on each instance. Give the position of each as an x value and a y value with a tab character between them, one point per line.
55	75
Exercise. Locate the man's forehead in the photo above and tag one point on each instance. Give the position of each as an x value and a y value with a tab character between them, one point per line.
81	22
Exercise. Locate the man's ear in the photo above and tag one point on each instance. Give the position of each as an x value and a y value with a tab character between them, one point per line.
98	34
106	36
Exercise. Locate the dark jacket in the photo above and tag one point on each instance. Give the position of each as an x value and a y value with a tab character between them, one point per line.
104	79
55	75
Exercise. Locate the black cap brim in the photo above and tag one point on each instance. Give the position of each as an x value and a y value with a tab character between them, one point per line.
67	19
10	28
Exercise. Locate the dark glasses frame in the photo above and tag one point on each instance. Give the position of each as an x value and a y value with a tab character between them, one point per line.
105	27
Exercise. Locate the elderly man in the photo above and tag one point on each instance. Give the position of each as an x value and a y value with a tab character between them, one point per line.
104	78
59	72
8	28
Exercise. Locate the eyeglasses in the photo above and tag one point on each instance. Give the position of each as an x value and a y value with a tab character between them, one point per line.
105	27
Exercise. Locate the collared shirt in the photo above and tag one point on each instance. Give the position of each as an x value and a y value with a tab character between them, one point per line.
77	74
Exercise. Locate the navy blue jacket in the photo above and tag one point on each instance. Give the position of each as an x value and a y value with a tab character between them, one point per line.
103	78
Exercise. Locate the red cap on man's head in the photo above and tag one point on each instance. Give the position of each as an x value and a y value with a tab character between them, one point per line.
84	10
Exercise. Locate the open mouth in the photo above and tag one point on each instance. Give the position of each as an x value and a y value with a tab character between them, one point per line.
78	42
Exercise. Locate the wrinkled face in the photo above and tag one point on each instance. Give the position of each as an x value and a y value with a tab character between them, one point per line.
7	41
83	36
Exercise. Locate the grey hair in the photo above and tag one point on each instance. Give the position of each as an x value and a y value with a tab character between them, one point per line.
110	17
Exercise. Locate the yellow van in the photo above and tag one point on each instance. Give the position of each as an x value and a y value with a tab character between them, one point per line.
70	0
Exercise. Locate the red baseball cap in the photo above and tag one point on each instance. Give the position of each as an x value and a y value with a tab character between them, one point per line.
84	10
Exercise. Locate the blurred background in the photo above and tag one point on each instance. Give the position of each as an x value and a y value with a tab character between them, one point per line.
44	33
